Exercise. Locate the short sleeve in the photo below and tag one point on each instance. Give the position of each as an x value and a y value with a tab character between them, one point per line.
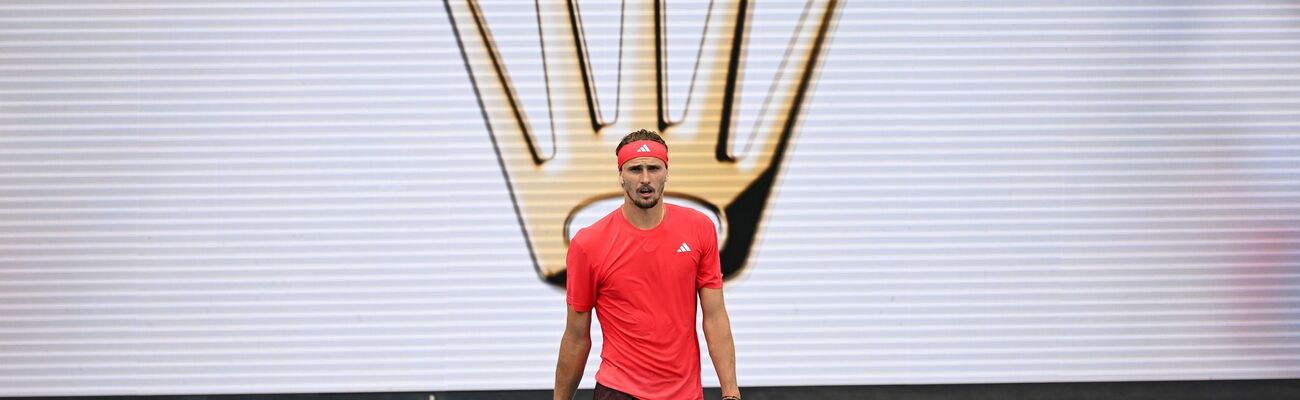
709	274
580	281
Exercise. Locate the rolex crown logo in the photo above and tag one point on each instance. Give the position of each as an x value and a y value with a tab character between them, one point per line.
549	184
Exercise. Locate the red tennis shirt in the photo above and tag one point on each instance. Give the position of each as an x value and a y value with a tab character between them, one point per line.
643	285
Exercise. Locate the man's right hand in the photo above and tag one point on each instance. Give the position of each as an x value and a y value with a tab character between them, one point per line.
575	346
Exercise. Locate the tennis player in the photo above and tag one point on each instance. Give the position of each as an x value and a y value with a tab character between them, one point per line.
641	268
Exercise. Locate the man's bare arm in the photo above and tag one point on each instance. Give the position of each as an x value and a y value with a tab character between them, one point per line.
717	333
574	348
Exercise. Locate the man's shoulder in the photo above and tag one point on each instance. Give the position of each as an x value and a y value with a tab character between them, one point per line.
688	215
599	228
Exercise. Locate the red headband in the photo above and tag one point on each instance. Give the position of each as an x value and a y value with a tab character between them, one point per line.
642	148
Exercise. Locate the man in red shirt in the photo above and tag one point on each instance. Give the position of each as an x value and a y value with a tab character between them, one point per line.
641	267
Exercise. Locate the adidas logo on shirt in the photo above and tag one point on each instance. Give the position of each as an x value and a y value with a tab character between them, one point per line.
643	149
684	248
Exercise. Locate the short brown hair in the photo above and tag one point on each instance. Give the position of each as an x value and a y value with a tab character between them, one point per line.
640	135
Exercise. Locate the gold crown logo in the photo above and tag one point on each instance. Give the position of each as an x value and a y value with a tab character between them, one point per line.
548	189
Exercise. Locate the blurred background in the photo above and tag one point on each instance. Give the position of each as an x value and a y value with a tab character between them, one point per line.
257	198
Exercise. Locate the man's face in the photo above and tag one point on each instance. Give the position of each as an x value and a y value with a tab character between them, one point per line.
643	180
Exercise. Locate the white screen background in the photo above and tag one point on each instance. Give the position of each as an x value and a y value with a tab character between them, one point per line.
261	197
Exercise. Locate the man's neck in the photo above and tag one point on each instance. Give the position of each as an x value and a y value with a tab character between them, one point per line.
643	218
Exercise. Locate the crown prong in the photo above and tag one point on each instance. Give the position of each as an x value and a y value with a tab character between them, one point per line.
782	105
717	71
570	86
507	121
639	69
588	72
